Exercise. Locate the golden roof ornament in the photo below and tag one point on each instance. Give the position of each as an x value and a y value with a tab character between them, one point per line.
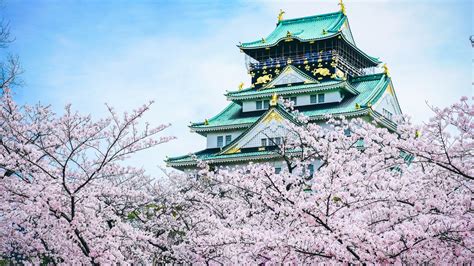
206	122
274	100
263	40
280	15
241	86
288	34
343	7
417	133
385	70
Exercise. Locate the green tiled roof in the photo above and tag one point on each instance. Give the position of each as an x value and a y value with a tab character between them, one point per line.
214	154
311	28
369	89
230	116
303	29
367	86
297	89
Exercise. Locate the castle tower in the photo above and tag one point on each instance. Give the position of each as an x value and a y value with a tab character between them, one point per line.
312	61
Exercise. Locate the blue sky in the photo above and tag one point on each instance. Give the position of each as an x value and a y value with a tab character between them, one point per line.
182	54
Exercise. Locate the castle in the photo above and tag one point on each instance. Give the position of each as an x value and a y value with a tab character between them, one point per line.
313	62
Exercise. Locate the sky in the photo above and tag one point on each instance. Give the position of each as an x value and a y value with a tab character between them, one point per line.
183	54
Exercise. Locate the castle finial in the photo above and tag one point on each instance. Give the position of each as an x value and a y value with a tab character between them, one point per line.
417	133
274	100
385	70
241	85
280	15
343	7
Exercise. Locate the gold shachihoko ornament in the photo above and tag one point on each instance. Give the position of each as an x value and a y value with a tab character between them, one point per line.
343	7
274	100
264	79
385	70
280	15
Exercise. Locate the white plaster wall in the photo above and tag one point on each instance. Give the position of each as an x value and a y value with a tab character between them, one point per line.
329	97
280	164
387	102
249	106
212	137
302	100
264	131
276	164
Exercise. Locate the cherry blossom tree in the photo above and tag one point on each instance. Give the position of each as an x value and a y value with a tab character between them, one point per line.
378	197
67	194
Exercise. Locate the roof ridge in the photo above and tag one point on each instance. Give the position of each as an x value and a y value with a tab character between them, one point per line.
381	85
295	69
336	26
301	72
292	20
221	112
330	85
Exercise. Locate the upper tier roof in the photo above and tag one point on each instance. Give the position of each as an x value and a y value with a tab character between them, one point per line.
369	89
306	29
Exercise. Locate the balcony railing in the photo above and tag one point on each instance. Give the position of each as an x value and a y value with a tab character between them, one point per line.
308	58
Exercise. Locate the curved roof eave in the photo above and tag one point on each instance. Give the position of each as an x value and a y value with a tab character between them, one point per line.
374	60
344	85
214	117
284	38
204	129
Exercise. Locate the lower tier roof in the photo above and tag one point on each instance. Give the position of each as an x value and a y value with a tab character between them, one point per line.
212	156
216	156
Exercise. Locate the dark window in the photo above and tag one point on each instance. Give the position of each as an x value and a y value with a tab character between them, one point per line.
266	104
277	170
311	169
321	98
220	141
271	142
278	141
258	105
293	99
228	139
347	132
313	99
387	114
264	142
